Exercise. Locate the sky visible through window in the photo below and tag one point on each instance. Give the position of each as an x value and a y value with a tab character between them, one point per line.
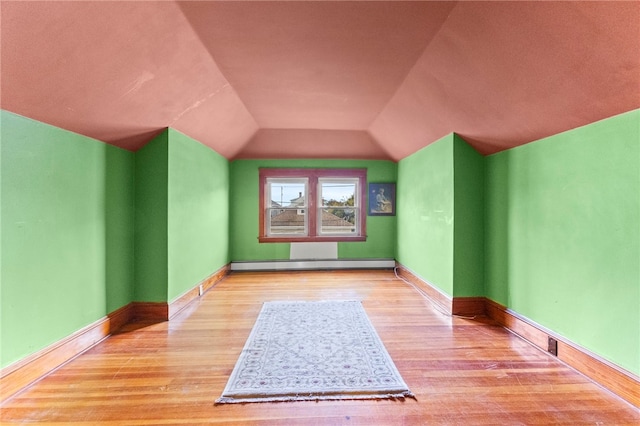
283	193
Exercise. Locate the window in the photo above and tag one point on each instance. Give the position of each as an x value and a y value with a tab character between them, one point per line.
312	205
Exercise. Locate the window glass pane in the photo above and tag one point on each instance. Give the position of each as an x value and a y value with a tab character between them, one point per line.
287	212
339	220
287	192
287	222
336	192
339	206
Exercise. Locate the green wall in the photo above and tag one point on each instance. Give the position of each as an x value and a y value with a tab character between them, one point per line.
198	213
67	233
244	211
441	217
425	213
468	223
563	236
550	230
151	220
119	227
182	216
74	209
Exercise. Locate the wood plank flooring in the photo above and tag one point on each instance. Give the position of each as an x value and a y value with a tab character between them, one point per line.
462	371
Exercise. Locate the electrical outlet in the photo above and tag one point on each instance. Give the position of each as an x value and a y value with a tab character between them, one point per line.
553	346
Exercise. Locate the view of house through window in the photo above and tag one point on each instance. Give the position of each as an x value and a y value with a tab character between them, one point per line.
338	206
287	210
312	204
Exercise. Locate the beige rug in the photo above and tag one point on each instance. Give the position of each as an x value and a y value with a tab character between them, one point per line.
313	351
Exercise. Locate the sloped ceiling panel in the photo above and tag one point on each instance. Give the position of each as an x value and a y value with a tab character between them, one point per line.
502	74
316	65
319	143
119	72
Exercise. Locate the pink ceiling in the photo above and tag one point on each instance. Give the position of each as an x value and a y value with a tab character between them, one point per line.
306	143
316	65
119	72
320	79
504	74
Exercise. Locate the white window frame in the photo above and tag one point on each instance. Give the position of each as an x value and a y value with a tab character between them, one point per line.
269	208
356	207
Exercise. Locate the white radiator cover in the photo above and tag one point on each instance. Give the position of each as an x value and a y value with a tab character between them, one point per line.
315	251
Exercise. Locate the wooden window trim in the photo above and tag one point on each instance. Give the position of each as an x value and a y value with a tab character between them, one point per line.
313	175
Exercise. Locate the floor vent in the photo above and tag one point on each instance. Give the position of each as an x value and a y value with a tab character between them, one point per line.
553	346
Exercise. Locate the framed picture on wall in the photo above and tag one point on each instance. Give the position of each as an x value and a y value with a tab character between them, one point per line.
382	199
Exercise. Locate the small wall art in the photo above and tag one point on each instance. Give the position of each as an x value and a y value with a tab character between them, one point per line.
382	199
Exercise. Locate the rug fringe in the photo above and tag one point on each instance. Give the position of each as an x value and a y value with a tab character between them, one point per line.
293	398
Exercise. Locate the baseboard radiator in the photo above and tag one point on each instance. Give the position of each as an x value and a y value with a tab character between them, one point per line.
313	264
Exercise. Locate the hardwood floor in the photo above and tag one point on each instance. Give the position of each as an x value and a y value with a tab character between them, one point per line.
462	371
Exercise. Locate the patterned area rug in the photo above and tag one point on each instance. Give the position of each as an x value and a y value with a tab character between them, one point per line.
313	351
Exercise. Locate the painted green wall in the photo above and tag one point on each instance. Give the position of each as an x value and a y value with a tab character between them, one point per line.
198	213
119	226
425	202
182	216
67	224
151	220
563	236
441	216
468	223
244	210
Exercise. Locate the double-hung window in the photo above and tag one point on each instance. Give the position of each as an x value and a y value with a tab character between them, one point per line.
312	205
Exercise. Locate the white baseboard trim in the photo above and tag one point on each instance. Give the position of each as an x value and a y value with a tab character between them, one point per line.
296	265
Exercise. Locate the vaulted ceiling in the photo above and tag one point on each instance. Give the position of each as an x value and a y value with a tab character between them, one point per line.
328	79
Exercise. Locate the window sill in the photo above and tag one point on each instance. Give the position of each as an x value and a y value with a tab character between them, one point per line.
328	239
